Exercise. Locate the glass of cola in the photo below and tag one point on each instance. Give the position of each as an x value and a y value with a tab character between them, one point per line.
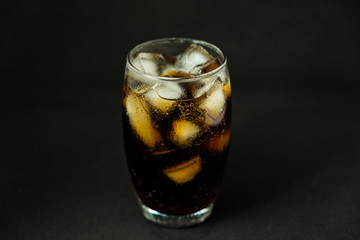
177	123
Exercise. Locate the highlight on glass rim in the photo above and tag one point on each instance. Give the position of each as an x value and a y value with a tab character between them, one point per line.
177	124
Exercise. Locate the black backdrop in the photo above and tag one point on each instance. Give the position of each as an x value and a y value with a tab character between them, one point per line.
294	167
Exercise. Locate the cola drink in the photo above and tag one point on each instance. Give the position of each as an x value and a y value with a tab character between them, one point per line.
177	124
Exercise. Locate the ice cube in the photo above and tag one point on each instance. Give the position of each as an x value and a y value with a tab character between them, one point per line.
140	121
137	63
156	103
214	121
202	86
151	63
218	143
214	103
184	132
138	84
193	59
169	90
185	171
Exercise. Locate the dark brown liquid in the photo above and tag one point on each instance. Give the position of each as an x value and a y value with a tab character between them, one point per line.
158	176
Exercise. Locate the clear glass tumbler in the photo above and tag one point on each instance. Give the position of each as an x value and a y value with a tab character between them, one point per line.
177	123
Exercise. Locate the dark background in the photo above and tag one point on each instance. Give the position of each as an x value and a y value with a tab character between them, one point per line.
294	165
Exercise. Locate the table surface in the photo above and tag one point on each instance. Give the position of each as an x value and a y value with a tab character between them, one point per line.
293	171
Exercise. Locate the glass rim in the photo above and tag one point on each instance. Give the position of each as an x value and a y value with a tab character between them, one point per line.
177	79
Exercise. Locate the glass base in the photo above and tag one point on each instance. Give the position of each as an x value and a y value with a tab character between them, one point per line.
176	221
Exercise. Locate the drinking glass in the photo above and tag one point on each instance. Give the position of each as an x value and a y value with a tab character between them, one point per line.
177	123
